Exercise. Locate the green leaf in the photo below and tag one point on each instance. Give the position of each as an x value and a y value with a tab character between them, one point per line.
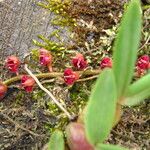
126	46
109	147
101	108
56	141
138	91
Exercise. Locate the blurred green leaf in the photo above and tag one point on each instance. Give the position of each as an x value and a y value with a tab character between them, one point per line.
56	141
126	46
138	91
109	147
101	108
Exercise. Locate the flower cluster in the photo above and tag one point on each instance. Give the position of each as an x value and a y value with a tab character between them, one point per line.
13	63
70	76
80	63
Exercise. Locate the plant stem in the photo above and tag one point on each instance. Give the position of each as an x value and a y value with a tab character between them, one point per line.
52	75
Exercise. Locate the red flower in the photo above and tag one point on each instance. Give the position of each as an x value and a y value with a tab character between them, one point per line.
70	76
45	58
3	89
142	65
106	62
79	62
27	83
143	62
12	63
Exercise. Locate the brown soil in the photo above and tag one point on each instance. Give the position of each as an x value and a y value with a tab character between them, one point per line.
102	14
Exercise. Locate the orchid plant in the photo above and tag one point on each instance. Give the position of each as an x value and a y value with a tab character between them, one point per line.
113	88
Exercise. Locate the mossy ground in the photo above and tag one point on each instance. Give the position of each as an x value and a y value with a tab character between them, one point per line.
91	29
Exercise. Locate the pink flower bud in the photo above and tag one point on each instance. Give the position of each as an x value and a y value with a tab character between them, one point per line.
106	62
143	62
27	83
79	62
45	57
70	76
76	137
13	63
3	89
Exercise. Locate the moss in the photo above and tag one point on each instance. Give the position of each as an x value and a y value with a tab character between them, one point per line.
19	96
59	8
78	98
79	95
61	19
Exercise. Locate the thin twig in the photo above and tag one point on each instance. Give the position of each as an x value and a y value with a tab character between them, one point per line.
19	126
48	92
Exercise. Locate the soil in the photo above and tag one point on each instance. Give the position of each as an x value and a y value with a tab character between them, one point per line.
25	119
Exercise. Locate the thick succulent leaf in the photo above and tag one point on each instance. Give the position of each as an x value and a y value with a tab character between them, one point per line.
101	107
126	46
138	91
56	141
109	147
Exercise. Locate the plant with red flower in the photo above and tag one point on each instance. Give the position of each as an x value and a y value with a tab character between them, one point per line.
106	62
13	63
27	83
79	62
3	89
70	76
45	58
